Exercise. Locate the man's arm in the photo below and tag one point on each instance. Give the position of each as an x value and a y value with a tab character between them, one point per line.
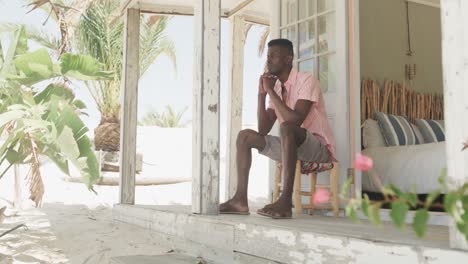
266	117
296	115
301	109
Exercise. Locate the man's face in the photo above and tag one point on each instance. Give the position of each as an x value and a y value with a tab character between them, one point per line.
278	59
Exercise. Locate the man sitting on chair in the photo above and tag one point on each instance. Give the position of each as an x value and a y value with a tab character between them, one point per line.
296	100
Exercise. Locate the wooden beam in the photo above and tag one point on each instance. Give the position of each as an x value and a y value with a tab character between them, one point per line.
130	76
241	5
205	184
236	85
169	10
454	18
166	9
425	2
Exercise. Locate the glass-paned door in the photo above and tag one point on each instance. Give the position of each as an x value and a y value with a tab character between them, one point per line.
318	30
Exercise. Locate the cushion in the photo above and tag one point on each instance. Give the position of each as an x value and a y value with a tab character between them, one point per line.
397	130
431	130
418	134
371	135
314	167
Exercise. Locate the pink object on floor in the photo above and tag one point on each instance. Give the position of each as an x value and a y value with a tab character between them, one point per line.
321	196
363	163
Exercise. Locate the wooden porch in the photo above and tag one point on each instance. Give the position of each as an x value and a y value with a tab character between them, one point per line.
199	231
306	239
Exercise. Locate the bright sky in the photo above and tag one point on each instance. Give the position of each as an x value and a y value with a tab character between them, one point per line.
161	85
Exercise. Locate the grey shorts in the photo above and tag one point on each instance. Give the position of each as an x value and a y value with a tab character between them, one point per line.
310	150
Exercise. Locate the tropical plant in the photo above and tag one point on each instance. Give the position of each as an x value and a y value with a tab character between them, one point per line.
455	202
36	122
95	29
169	118
99	38
66	13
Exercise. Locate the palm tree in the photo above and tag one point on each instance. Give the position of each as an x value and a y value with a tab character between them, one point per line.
96	36
169	118
90	26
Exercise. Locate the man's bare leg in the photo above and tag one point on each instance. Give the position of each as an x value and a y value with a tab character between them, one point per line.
292	136
246	140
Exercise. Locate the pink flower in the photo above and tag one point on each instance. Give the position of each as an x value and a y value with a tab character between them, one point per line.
321	196
363	163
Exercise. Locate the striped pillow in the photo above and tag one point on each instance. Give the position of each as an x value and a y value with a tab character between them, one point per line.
397	130
432	130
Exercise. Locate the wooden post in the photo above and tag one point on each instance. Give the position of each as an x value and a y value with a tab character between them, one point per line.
454	18
130	76
275	17
355	94
205	183
236	81
18	200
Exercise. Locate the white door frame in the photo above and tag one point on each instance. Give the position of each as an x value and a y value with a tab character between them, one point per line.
351	98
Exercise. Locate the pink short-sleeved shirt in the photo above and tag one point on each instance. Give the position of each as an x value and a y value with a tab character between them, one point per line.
303	86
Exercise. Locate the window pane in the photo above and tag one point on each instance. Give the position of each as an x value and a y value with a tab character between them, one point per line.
306	8
307	39
324	5
288	11
307	66
290	33
326	32
327	72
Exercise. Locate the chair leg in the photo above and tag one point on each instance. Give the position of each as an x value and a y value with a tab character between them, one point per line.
353	186
297	189
277	183
334	189
313	183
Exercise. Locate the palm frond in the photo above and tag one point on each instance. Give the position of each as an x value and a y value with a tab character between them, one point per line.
168	118
96	36
44	39
153	42
36	186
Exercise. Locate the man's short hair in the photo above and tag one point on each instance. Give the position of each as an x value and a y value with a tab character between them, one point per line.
285	43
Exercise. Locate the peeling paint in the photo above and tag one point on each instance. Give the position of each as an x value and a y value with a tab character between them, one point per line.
213	108
297	256
329	242
285	237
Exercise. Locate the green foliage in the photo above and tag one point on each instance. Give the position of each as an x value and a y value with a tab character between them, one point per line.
169	118
420	222
44	122
99	38
455	203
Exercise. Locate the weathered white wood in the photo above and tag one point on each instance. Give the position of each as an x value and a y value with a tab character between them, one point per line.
454	17
205	185
305	239
17	202
130	76
157	259
431	3
354	91
236	9
236	81
166	9
275	16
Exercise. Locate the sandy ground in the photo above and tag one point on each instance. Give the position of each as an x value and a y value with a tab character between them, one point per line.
75	225
72	234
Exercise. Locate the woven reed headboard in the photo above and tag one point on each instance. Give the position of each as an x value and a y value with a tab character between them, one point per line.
396	99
